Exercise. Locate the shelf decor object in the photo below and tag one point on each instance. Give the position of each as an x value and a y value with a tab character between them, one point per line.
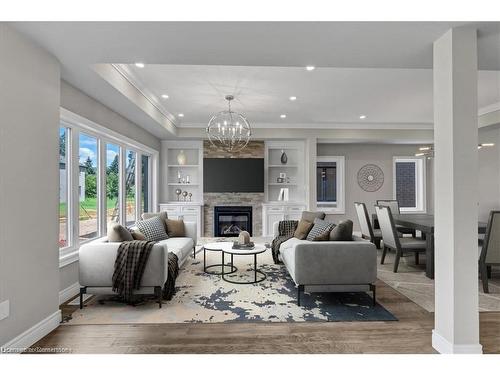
284	157
178	193
181	157
370	177
229	130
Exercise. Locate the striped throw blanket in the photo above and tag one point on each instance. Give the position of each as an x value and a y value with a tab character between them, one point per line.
130	263
286	229
173	271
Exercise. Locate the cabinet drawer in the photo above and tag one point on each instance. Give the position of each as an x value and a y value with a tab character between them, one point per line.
190	209
170	210
295	209
275	209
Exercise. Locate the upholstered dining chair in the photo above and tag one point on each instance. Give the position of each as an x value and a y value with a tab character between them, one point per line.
394	206
392	241
367	231
490	250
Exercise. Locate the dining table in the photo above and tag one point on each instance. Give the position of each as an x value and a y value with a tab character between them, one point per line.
425	224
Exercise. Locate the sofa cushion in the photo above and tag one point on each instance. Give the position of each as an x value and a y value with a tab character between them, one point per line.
342	231
153	229
118	233
175	228
163	216
137	235
311	215
290	243
180	246
303	228
320	227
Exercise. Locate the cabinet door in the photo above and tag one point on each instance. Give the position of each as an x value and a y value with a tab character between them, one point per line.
271	219
293	215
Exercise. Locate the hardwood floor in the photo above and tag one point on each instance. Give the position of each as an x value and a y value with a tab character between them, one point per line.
411	334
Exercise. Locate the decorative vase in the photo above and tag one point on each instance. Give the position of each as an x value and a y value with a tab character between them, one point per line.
181	158
284	157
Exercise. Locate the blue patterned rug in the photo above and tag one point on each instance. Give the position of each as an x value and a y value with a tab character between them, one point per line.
204	298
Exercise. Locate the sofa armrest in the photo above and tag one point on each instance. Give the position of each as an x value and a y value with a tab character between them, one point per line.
97	261
191	231
335	262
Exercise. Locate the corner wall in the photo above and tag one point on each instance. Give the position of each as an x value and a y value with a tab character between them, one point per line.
29	189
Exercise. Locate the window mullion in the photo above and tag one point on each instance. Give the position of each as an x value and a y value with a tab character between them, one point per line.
74	184
101	187
138	185
122	190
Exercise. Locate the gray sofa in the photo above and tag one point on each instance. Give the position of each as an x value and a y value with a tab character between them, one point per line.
330	266
97	259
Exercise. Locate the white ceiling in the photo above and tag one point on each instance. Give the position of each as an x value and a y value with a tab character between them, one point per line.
326	97
262	61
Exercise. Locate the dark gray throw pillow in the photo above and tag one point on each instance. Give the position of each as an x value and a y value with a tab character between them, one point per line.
153	229
342	231
318	230
118	233
311	215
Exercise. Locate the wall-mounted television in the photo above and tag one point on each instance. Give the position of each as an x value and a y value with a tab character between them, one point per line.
233	175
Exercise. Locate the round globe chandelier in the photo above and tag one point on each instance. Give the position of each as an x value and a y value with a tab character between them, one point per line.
229	130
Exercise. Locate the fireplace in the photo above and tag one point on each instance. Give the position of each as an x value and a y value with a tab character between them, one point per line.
229	221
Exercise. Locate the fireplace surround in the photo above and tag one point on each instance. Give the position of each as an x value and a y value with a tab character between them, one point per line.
229	221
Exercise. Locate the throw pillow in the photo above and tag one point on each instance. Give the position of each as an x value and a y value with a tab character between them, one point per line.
323	237
163	215
138	235
175	228
342	232
311	215
118	233
319	228
303	229
153	229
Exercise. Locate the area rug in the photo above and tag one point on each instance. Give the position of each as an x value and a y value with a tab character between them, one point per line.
204	298
410	280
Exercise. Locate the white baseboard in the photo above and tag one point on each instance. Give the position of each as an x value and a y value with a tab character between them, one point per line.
443	346
66	294
33	334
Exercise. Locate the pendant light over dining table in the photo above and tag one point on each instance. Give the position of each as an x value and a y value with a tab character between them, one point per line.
229	130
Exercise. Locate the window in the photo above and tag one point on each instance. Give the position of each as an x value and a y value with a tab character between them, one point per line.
145	199
112	183
88	187
330	183
63	187
409	183
99	182
130	208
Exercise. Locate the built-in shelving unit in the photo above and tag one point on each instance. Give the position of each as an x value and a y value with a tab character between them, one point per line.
293	170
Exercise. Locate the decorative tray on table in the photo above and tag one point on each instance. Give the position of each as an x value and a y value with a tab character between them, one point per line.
247	246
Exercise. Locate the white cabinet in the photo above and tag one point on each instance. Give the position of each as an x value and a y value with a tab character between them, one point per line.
273	213
188	212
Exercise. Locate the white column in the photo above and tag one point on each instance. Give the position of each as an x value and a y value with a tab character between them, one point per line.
456	138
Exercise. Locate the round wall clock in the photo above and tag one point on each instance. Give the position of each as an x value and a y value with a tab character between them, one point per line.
370	177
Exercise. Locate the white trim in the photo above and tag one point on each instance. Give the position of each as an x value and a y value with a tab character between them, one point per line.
489	108
328	125
443	346
33	334
68	293
68	257
420	182
340	207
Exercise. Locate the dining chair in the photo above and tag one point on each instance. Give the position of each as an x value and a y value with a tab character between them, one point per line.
367	231
393	204
490	250
401	245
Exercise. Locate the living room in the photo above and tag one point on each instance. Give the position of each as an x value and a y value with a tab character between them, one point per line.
199	187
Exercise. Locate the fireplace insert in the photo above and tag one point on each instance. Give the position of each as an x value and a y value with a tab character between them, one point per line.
229	221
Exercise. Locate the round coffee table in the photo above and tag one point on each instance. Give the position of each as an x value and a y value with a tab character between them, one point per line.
217	246
258	249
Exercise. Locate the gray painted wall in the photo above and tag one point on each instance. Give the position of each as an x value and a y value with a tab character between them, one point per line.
489	173
77	102
356	156
29	255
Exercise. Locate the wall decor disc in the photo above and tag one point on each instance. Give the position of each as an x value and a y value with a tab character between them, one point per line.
370	177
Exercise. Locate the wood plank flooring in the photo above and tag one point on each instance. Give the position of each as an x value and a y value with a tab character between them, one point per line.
411	334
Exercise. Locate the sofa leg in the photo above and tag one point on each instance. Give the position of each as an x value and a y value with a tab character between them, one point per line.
373	288
300	288
158	295
83	290
376	241
194	252
384	252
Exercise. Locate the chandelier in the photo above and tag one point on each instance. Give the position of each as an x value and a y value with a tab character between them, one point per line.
229	130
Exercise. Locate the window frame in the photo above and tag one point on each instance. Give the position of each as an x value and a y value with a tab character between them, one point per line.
339	209
75	125
420	183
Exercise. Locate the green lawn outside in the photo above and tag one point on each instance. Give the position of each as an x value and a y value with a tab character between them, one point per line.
90	204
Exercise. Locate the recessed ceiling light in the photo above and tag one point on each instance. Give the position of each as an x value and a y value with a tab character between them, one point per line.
362	117
164	96
139	64
283	116
487	144
425	148
181	115
310	68
293	98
